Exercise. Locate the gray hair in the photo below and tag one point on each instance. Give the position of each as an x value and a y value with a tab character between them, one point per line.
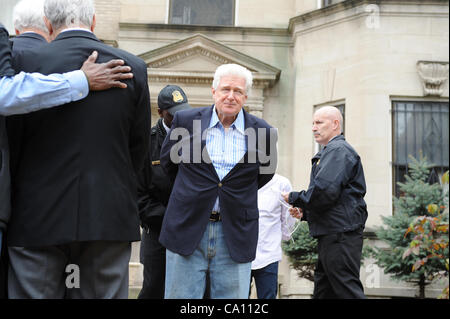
29	14
69	13
233	69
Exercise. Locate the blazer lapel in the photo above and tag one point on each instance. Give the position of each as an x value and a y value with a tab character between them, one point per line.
205	117
250	125
251	154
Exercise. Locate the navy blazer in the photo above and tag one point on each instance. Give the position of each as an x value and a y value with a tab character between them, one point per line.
197	186
5	70
26	41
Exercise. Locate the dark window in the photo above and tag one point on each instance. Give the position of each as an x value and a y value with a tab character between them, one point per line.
329	2
341	108
420	128
202	12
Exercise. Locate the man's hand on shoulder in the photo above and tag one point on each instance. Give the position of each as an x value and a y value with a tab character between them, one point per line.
103	76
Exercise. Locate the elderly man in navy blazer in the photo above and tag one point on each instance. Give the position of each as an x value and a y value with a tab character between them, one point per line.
219	157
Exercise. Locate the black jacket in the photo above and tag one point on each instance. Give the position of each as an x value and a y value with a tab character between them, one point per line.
5	208
74	176
334	201
5	70
27	41
154	184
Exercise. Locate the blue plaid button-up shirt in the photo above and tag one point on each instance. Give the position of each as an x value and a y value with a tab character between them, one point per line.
225	147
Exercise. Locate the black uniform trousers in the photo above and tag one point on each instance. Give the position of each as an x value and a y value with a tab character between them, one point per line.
153	258
337	270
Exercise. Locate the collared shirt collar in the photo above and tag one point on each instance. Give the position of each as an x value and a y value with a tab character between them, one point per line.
165	126
334	137
76	29
29	32
238	122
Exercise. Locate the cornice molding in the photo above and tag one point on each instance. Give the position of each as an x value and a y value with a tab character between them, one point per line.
129	26
352	4
160	59
155	75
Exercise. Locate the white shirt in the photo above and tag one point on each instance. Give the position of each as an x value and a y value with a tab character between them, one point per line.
76	29
275	222
165	126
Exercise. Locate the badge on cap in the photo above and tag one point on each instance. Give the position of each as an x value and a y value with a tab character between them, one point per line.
177	97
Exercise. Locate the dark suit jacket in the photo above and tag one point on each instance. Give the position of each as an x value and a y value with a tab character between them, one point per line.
5	70
197	186
74	177
5	209
26	41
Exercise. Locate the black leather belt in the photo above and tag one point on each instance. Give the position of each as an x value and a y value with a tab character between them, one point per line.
215	216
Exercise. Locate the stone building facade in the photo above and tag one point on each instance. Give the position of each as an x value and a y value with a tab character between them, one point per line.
373	59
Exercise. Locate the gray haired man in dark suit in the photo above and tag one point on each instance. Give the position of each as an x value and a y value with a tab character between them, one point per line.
24	93
31	32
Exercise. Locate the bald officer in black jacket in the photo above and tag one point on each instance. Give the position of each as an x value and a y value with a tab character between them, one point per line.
335	209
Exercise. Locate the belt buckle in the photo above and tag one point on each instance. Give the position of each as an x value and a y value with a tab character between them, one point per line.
215	216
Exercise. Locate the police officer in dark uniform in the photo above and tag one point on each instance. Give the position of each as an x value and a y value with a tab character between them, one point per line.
154	193
335	209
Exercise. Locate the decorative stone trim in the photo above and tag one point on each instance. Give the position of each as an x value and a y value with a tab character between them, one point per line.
161	62
160	59
156	75
186	54
433	75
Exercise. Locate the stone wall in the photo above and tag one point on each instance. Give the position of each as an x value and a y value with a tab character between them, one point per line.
108	17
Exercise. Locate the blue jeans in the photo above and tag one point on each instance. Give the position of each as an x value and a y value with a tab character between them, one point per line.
266	281
186	275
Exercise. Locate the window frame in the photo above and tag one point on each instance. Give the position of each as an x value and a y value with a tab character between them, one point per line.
327	3
233	16
399	168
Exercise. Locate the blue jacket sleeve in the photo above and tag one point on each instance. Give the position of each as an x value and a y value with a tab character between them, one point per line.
25	92
28	92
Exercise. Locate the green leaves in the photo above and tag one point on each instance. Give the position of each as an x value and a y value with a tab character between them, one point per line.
417	233
302	251
444	178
